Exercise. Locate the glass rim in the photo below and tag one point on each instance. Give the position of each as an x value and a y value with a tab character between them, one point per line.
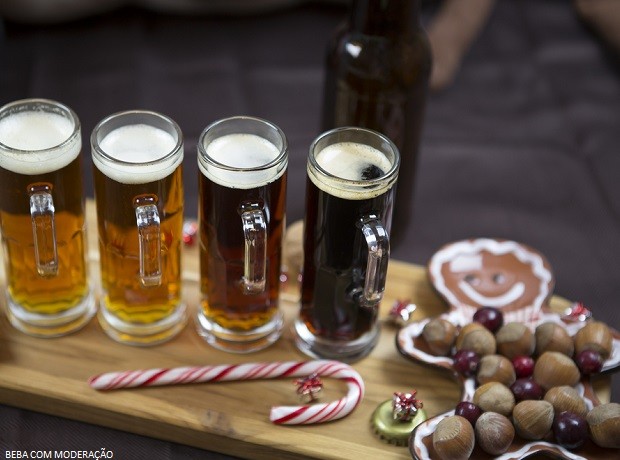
42	102
102	154
388	176
282	154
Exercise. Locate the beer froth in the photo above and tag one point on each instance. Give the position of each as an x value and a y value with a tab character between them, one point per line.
351	161
136	146
242	151
36	142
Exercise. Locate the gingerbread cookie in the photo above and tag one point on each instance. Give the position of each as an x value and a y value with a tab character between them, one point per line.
484	272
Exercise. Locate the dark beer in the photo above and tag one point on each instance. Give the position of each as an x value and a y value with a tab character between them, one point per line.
240	172
350	185
40	152
139	165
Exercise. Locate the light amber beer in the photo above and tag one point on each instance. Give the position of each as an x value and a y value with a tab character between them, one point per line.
242	208
139	195
42	218
350	193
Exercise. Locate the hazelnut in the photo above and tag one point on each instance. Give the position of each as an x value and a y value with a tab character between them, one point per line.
532	419
496	368
453	438
494	397
494	433
553	337
476	337
594	336
604	422
554	369
440	335
566	398
514	339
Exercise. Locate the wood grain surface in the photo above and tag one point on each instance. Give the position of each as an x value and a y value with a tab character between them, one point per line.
50	375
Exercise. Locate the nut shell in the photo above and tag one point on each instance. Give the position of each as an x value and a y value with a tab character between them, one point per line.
494	397
514	339
476	337
496	368
554	369
604	423
440	334
453	438
594	336
532	419
494	433
565	398
553	337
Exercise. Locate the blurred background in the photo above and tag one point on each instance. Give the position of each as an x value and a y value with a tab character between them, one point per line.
521	137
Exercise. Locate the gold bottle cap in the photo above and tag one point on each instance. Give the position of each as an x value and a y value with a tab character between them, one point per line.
394	430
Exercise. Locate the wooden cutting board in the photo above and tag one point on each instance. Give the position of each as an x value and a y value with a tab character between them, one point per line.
50	375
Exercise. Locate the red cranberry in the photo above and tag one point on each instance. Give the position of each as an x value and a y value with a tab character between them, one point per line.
524	366
466	362
468	410
526	388
589	362
489	317
570	430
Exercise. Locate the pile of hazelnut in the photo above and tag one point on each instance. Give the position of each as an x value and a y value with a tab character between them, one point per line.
526	385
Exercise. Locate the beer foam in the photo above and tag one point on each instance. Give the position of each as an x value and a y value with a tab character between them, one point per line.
138	147
243	151
348	160
34	135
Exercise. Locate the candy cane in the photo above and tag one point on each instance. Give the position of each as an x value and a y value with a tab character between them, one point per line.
281	415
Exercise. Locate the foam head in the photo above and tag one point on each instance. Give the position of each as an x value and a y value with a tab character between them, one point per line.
243	160
354	162
37	142
137	153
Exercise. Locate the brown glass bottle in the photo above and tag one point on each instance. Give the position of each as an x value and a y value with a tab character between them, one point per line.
377	69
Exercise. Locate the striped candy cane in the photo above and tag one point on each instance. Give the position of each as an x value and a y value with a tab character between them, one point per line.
281	415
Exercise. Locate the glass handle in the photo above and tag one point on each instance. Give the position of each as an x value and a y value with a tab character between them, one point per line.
149	235
378	255
255	259
43	229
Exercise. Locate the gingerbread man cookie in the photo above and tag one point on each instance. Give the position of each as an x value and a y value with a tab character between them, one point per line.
485	272
518	281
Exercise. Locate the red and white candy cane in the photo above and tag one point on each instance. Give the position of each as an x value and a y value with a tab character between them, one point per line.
282	415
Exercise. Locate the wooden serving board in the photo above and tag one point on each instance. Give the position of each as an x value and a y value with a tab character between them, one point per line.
50	375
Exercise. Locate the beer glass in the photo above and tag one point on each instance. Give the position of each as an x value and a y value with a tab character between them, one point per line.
137	158
42	218
243	163
351	182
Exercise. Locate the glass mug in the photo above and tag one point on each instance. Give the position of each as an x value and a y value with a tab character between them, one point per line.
351	184
137	157
42	218
242	183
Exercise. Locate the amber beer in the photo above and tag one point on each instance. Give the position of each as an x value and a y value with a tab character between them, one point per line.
243	163
350	190
42	218
139	194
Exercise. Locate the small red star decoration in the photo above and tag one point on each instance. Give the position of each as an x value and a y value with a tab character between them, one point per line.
309	387
405	405
577	312
190	228
401	312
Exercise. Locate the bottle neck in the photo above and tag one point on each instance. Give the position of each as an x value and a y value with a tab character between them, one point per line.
385	17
